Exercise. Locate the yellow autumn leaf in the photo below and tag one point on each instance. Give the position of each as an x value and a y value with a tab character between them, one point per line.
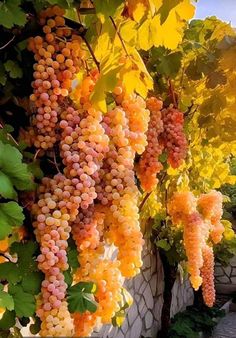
103	44
139	10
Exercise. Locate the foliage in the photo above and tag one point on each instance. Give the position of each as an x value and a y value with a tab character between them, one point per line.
192	321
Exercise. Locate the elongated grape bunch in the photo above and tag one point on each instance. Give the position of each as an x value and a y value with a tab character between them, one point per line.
53	212
83	147
57	62
105	273
210	206
182	209
149	165
193	246
173	136
207	274
138	117
119	192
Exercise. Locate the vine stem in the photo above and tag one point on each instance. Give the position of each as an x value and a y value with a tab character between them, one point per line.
144	201
172	92
8	43
91	52
120	37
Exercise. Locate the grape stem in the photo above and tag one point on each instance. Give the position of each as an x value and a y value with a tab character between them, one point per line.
6	44
172	93
91	52
118	33
144	200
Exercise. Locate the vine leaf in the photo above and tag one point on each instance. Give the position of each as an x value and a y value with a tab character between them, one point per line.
11	214
6	300
6	187
13	69
25	252
12	166
32	283
11	14
80	297
106	8
8	320
9	272
25	305
109	67
166	7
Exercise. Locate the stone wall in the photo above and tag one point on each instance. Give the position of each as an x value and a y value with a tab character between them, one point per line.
144	317
225	277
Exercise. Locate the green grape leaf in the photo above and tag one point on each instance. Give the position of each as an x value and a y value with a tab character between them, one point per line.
170	64
72	256
8	320
3	77
11	215
163	244
6	300
25	304
6	187
11	14
9	271
68	277
4	134
80	297
35	169
13	69
11	164
32	283
25	251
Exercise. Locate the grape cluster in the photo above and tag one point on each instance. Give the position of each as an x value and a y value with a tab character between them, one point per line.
173	136
95	198
149	165
207	274
53	212
57	62
121	194
212	210
199	216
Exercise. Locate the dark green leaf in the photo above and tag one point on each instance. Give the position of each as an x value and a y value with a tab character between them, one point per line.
11	164
9	271
35	328
8	320
13	69
31	283
25	304
11	215
11	14
6	301
80	298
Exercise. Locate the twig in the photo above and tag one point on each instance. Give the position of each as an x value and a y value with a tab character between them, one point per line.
120	37
171	87
144	201
6	44
91	52
55	162
36	154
